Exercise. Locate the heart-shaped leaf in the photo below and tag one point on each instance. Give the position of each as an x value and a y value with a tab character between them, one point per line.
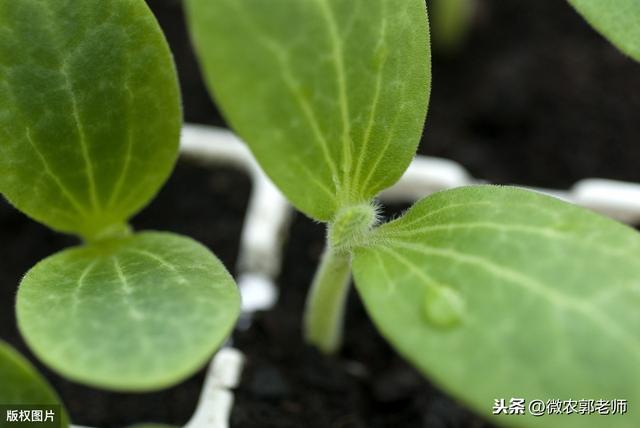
22	385
617	20
330	95
136	313
89	111
499	293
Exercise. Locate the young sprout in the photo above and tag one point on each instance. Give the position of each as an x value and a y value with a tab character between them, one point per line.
490	291
89	129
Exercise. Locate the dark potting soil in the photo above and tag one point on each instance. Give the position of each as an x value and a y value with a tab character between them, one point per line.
534	97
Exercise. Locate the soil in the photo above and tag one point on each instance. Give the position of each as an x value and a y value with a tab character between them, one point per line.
534	97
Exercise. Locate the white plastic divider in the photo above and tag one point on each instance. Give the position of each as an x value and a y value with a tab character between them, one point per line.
267	220
216	398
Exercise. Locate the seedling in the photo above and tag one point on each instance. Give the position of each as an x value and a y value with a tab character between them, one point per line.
492	292
89	129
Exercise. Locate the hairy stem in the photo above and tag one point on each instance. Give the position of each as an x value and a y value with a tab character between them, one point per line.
324	313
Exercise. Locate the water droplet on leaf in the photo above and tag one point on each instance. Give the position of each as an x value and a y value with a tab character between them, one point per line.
443	307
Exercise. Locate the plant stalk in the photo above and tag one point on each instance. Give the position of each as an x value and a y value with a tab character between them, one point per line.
324	312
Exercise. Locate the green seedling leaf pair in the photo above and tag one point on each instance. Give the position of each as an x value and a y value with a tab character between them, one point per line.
89	130
492	292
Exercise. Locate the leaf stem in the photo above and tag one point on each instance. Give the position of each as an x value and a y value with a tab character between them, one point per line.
114	231
324	313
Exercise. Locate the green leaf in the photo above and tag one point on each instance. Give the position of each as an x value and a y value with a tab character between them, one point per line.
495	292
20	384
617	20
89	110
330	95
138	313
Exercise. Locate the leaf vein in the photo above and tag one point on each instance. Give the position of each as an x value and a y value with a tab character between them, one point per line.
81	284
47	169
82	138
547	232
375	103
341	76
582	307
